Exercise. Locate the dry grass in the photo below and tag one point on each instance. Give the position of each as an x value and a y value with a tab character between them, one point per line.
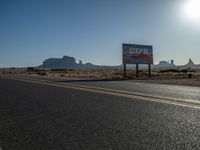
110	74
114	74
176	77
131	74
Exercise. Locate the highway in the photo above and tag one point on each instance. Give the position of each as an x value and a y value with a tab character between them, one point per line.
55	113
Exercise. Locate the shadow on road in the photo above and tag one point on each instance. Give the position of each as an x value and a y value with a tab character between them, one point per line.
89	80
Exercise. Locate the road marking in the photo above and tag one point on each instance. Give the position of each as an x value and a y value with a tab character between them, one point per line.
121	93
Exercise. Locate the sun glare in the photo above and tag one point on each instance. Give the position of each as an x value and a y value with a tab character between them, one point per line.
192	10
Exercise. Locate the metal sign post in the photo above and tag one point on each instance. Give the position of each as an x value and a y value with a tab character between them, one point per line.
149	70
137	67
124	70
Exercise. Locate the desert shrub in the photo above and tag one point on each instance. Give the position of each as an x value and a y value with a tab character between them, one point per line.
169	70
62	75
43	73
184	71
71	70
189	75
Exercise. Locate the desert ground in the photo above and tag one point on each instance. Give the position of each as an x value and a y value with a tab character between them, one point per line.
166	76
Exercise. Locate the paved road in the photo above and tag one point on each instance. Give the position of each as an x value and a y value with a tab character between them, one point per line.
37	116
164	90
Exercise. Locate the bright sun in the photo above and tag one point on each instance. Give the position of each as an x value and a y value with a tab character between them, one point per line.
192	10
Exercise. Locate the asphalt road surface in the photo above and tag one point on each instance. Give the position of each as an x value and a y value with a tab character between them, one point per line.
47	117
164	90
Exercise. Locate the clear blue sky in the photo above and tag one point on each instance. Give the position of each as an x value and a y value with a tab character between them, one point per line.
93	30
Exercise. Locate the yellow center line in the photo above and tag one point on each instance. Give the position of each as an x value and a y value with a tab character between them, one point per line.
121	93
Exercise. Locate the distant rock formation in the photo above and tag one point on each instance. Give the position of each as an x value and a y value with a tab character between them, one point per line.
165	65
67	62
163	62
171	65
190	64
172	62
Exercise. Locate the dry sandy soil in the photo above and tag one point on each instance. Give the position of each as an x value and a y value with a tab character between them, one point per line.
176	77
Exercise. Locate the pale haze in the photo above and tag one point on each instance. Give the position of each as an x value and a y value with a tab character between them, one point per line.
94	30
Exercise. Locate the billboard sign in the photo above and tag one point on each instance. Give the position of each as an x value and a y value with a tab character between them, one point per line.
137	54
